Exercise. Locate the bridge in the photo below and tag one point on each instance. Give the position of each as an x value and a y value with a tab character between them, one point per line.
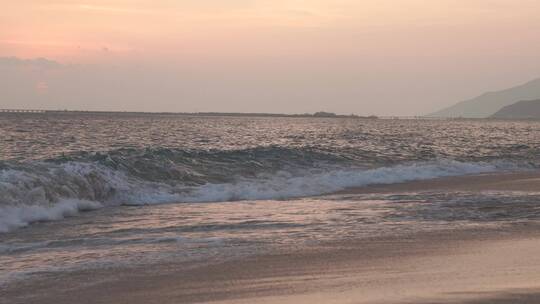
201	114
21	111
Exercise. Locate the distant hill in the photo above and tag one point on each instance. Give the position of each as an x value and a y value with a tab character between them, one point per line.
489	103
526	109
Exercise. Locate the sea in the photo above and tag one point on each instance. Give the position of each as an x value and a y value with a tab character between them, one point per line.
102	190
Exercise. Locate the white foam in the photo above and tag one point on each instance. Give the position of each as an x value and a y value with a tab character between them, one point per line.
27	196
284	185
13	217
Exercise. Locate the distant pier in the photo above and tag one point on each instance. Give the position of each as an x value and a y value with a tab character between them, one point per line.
21	111
316	115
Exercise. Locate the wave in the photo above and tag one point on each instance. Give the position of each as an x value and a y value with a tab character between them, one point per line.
53	189
13	217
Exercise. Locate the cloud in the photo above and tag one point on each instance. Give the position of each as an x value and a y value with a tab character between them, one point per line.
40	63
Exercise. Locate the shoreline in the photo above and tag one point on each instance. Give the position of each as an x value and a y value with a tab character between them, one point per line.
521	181
473	265
482	265
514	181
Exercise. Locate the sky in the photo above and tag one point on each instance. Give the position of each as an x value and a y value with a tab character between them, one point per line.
382	57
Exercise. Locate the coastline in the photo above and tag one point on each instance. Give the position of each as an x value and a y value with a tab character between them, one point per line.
475	265
461	266
514	181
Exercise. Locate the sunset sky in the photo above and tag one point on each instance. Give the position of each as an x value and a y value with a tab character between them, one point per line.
400	57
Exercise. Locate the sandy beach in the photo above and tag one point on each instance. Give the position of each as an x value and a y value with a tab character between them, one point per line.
475	265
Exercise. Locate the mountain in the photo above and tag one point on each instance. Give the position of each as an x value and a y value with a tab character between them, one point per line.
489	103
526	109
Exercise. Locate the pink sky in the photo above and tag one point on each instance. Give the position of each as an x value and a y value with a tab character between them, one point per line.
384	57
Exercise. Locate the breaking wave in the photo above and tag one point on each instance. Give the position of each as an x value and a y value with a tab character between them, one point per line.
53	189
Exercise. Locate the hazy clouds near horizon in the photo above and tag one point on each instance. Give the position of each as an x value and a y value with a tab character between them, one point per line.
380	57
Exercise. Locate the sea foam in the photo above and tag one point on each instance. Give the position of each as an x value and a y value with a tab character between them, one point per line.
283	185
52	192
13	217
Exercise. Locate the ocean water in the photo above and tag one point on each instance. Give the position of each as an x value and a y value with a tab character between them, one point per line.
198	189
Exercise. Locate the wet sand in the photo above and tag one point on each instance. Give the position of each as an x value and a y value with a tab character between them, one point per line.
483	265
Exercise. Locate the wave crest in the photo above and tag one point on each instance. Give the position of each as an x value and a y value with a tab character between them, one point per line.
48	190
